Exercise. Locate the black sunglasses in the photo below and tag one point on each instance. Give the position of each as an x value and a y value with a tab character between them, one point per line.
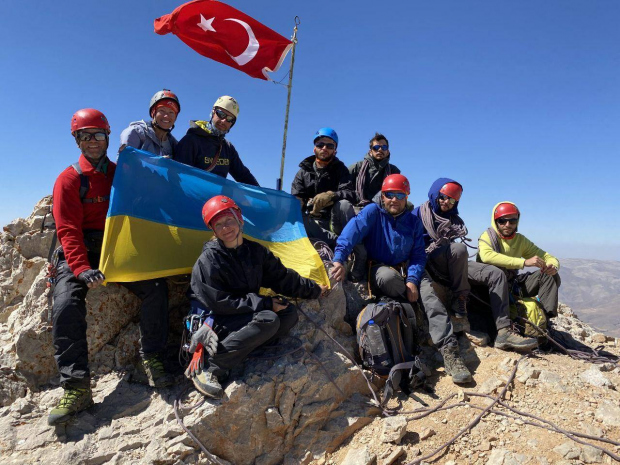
444	197
507	220
222	115
382	147
329	145
86	136
398	195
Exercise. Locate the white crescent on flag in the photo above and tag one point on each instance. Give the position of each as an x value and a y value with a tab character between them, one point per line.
250	51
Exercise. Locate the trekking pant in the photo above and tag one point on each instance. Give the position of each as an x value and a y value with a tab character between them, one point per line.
448	265
542	285
69	321
495	280
328	230
439	324
241	334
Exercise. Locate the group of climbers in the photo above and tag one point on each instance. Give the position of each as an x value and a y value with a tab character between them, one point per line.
362	212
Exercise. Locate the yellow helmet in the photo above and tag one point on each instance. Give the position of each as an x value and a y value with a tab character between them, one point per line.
228	103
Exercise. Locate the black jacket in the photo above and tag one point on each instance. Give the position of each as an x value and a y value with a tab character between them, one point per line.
373	180
227	281
334	177
197	148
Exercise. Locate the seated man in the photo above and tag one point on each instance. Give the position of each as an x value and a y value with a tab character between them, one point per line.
447	265
504	248
81	201
155	136
324	187
205	145
226	280
368	174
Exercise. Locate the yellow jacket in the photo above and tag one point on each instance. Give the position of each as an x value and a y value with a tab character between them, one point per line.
515	250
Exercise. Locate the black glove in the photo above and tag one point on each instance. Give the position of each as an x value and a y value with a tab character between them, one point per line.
91	276
205	336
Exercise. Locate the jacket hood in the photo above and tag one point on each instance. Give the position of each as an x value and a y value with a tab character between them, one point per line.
433	193
494	226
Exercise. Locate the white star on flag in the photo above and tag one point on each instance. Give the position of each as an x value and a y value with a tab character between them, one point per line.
206	24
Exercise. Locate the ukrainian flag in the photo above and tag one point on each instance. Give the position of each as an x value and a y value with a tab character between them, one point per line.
154	226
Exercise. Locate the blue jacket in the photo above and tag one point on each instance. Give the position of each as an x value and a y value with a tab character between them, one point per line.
141	135
433	193
388	240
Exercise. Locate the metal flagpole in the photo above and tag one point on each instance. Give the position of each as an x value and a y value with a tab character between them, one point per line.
288	104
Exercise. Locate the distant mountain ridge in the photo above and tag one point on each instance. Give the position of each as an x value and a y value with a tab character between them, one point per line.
592	289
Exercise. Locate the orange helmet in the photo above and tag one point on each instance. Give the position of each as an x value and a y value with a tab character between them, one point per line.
453	190
504	209
89	118
396	183
218	204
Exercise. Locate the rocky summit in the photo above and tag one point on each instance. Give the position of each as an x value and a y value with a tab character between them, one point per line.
303	403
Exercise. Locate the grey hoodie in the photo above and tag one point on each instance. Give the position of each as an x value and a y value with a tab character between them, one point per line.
141	135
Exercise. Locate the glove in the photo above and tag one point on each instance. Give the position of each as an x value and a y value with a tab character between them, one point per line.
91	276
197	363
207	337
320	201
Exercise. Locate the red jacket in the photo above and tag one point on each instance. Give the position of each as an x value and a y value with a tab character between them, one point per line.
73	217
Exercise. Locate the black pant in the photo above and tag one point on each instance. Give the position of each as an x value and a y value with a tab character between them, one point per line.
69	321
241	334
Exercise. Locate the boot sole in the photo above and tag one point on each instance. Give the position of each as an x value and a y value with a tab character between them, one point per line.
205	392
508	346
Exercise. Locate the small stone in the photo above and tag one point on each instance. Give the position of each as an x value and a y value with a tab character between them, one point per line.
595	378
484	446
599	338
609	414
393	429
426	433
461	396
361	456
568	450
477	338
491	385
391	458
591	454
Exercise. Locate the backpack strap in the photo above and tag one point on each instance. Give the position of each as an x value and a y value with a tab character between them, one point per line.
84	186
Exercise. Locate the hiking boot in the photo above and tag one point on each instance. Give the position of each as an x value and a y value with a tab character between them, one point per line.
73	401
454	365
508	338
154	370
459	307
208	384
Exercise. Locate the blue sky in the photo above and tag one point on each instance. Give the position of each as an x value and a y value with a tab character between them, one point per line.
516	100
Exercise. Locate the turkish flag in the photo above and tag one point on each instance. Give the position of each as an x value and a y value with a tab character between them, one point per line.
227	35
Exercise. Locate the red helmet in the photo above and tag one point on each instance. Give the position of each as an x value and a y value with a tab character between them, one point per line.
170	99
504	209
453	190
89	118
218	204
396	183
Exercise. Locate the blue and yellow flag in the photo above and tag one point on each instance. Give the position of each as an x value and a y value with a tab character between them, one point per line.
154	226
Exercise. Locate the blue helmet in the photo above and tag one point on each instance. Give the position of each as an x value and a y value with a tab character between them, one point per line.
327	132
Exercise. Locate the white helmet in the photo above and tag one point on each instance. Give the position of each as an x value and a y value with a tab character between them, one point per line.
228	103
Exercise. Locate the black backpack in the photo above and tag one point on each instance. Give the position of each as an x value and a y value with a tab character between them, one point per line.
387	345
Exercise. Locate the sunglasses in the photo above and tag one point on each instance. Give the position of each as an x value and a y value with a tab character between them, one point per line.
445	198
222	115
382	147
394	195
86	136
507	220
329	145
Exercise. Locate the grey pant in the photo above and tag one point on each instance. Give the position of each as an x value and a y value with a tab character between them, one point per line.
495	279
448	266
328	230
542	285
